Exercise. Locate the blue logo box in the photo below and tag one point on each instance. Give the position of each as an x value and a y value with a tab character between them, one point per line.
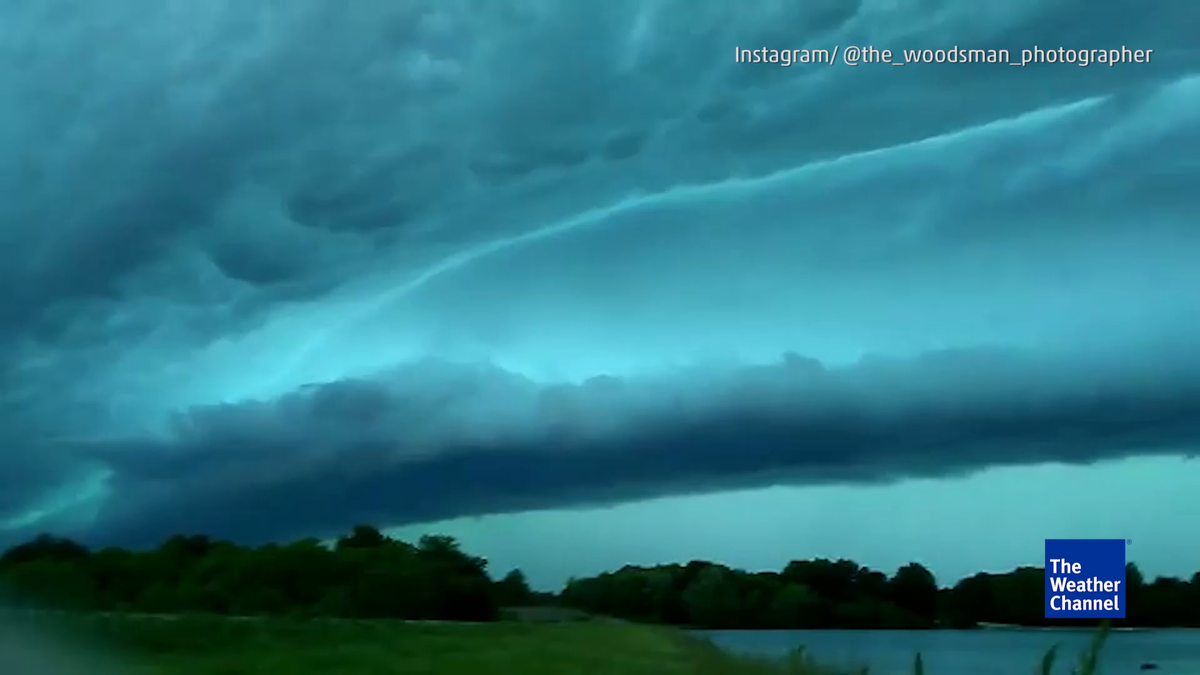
1085	578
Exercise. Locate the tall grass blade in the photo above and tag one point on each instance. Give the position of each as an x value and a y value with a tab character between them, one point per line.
1047	665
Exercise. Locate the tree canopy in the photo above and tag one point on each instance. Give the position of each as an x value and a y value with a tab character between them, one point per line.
366	574
363	574
843	594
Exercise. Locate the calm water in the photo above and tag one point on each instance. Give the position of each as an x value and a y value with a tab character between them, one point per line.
998	652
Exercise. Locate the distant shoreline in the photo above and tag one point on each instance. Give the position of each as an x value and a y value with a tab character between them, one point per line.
983	625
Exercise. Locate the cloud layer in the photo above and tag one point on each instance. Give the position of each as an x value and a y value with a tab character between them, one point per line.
275	270
435	440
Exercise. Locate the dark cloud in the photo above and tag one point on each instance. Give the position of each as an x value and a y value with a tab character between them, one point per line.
244	249
437	440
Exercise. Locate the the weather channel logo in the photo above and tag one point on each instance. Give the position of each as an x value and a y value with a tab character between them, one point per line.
1085	578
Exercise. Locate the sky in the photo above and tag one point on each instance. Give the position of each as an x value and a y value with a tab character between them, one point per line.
567	281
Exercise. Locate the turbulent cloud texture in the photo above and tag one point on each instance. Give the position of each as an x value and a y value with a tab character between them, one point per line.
275	268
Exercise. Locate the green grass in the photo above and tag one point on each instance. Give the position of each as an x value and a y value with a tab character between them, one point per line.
214	646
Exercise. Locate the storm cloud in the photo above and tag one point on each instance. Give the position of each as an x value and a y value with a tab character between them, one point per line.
274	270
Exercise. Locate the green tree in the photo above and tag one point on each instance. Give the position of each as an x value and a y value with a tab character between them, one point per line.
513	590
914	590
362	536
794	606
711	599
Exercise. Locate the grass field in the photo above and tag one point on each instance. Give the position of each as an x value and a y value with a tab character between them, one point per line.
117	645
142	645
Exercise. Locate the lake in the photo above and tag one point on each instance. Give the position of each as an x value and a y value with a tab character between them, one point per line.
978	652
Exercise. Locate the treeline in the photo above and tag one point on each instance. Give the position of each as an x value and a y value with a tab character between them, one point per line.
366	574
842	594
362	575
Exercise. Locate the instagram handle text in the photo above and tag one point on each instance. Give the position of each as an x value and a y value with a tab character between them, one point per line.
854	55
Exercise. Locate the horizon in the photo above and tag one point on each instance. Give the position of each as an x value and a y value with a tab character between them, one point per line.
511	540
497	574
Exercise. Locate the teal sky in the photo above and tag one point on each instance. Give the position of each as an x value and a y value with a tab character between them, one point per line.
989	522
